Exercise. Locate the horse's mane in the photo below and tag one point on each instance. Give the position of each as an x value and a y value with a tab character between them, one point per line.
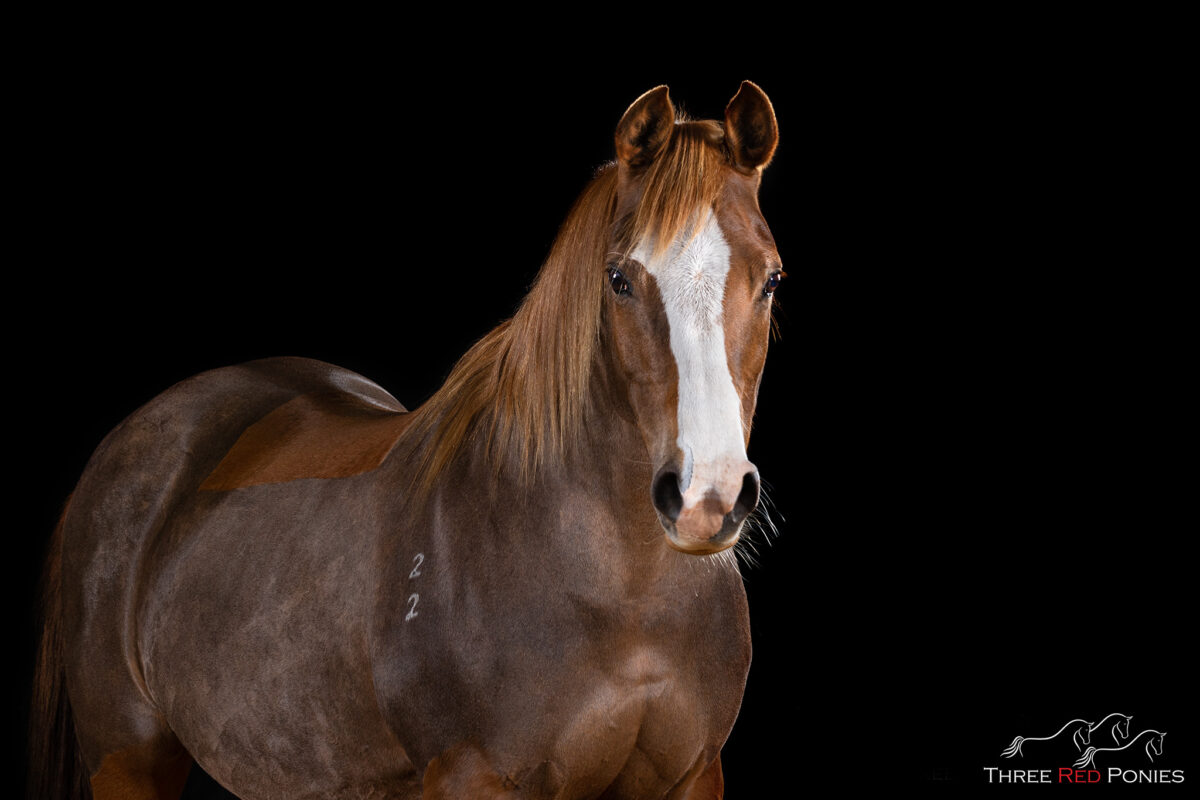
525	385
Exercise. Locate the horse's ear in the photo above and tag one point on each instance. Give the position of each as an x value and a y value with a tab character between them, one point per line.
645	128
750	128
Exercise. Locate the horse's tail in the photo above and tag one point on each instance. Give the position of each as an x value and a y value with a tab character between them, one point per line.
1086	759
1014	749
56	768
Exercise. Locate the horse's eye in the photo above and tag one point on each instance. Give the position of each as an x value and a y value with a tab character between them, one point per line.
617	281
773	282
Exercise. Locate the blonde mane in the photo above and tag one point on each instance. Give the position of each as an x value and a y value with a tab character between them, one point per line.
524	387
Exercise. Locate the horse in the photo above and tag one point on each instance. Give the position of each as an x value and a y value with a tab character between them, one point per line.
1153	747
1080	729
520	589
1119	730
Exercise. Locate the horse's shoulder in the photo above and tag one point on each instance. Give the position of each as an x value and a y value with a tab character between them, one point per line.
328	422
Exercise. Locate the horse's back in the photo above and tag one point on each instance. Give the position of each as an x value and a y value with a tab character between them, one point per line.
138	523
174	444
180	437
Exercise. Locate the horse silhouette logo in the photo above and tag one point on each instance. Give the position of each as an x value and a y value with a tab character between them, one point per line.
1114	726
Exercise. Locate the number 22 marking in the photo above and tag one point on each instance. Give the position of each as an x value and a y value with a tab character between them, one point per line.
414	598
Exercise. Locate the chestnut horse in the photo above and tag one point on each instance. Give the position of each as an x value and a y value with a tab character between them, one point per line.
278	573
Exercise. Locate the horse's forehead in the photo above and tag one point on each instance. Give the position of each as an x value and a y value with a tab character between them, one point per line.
691	252
691	273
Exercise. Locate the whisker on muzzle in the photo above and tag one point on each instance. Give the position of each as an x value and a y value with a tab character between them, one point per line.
759	529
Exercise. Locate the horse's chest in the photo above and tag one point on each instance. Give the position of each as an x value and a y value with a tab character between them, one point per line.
639	731
633	716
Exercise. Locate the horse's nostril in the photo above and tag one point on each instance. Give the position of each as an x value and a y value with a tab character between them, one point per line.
666	495
747	499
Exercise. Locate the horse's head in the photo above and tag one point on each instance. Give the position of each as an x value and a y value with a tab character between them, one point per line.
1122	728
689	285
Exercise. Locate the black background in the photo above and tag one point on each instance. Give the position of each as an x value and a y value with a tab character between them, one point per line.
968	424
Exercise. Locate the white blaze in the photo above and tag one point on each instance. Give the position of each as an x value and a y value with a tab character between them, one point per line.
691	279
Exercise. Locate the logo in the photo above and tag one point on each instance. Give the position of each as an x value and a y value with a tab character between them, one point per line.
1098	752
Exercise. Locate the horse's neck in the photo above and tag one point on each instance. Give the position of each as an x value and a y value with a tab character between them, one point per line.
593	502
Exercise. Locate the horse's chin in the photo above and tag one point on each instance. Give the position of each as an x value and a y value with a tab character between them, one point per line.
700	545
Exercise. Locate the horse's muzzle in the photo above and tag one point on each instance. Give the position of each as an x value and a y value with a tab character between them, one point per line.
702	519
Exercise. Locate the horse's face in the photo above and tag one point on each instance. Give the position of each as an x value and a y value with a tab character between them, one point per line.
690	322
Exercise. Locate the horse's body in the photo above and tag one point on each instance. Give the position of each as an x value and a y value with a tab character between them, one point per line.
277	572
503	633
